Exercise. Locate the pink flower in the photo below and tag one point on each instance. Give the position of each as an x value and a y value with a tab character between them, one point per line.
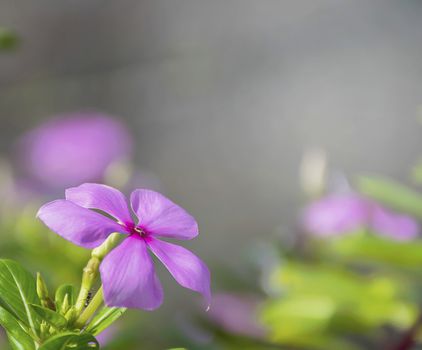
107	335
127	272
237	314
73	148
342	213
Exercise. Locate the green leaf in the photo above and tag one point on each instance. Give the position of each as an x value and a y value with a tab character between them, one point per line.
324	300
104	318
71	341
18	338
391	193
51	317
61	293
17	290
371	248
8	39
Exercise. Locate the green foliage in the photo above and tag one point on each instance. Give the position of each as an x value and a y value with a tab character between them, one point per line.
320	301
8	39
16	334
17	291
391	193
51	317
65	291
104	318
345	290
34	246
30	325
71	341
368	248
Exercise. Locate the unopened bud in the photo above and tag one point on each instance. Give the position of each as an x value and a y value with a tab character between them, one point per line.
44	327
65	304
42	292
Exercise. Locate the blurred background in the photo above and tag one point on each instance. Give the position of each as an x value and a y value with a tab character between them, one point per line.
215	104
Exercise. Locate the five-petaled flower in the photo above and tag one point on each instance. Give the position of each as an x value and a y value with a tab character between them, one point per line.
127	272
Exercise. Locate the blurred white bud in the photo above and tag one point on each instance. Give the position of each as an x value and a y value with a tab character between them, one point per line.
118	173
313	172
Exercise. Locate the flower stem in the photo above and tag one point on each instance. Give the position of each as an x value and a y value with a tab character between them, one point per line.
90	271
95	303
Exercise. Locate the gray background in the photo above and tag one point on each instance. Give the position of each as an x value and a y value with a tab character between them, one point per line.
224	96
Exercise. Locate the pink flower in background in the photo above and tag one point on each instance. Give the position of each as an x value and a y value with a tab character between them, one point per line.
388	223
107	335
342	213
127	272
237	314
336	214
73	148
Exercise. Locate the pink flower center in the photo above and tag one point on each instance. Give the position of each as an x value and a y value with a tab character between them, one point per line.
135	231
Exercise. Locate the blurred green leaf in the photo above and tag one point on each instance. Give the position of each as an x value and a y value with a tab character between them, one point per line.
104	318
371	248
71	341
17	290
51	317
27	241
391	193
8	39
300	314
18	338
319	302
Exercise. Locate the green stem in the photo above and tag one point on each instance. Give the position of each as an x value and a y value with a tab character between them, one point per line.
90	272
95	303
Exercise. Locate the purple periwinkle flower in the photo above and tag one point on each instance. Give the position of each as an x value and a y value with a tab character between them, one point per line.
337	214
73	148
127	272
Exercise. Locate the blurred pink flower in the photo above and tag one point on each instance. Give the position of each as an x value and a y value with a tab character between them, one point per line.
107	335
337	214
237	314
73	148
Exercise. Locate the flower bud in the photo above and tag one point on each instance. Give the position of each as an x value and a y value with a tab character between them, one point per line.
65	304
42	292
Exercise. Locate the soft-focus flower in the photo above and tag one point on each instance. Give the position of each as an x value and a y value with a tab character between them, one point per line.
237	314
73	148
127	272
342	213
107	335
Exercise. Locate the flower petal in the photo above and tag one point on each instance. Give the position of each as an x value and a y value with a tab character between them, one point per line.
186	268
160	216
102	197
397	226
78	225
336	214
128	277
